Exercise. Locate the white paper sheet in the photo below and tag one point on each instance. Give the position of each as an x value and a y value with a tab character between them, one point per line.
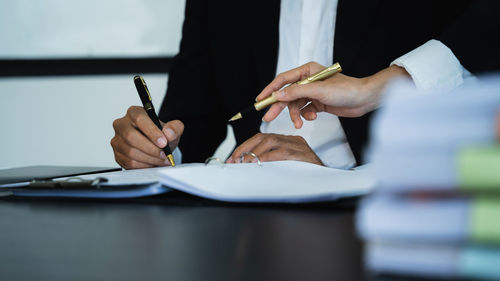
281	181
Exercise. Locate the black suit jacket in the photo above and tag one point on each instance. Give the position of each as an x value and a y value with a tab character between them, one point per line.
229	50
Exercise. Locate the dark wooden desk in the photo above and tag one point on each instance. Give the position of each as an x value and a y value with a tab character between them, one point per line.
155	240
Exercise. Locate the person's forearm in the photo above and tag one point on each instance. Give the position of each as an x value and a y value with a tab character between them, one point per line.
375	84
379	80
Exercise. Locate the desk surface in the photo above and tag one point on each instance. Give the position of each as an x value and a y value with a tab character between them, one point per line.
89	240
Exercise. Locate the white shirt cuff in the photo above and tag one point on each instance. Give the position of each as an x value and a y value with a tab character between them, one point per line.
177	155
433	65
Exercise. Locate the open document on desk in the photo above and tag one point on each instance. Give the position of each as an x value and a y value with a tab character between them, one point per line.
281	181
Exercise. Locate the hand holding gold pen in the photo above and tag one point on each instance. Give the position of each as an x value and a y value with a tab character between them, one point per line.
263	103
339	94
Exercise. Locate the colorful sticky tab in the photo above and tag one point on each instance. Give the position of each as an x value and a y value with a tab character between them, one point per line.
485	220
479	168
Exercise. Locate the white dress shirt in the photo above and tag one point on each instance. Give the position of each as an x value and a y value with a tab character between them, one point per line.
306	33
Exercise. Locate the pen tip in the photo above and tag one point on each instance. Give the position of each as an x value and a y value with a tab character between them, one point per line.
171	160
236	117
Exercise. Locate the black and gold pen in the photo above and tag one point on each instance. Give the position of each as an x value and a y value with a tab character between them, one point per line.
147	103
258	106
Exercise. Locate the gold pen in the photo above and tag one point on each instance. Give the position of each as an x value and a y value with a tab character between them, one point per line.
258	106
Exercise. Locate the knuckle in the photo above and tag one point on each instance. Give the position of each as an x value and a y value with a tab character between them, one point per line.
259	136
139	118
300	139
116	123
126	164
129	134
177	126
281	79
270	140
130	111
133	164
181	126
127	151
112	142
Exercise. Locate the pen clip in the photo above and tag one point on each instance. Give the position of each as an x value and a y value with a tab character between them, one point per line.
144	86
322	75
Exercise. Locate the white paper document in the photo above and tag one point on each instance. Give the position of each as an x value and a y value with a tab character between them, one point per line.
280	181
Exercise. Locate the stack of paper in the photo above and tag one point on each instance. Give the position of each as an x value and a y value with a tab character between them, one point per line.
281	181
436	212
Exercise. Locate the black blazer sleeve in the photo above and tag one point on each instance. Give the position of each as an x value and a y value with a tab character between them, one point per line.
474	37
369	35
191	95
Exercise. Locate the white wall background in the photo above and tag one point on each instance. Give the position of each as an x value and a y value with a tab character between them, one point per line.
90	28
68	120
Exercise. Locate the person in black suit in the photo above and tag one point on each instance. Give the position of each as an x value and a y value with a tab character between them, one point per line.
469	35
228	54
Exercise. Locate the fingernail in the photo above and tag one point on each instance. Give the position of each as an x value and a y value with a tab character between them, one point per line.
162	155
170	133
161	141
229	160
167	162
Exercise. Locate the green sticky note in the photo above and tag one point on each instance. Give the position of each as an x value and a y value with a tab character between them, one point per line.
485	220
479	168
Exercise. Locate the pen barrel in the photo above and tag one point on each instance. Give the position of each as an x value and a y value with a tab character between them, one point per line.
322	75
152	115
265	103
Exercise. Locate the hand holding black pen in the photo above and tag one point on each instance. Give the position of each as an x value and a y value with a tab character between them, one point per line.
147	103
139	142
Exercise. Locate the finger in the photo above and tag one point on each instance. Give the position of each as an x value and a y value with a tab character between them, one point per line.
290	154
268	142
283	79
230	160
274	155
141	120
309	112
294	111
130	152
135	138
128	163
294	92
290	76
274	111
173	131
248	145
